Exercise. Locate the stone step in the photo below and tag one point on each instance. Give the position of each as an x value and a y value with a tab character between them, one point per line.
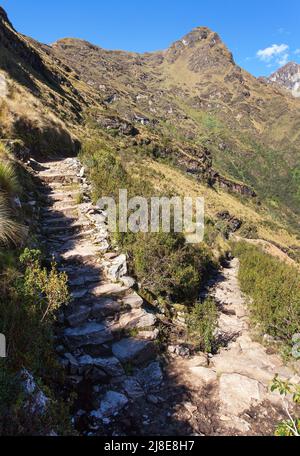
134	351
91	333
62	197
53	220
82	251
60	211
104	307
79	315
76	271
65	228
54	177
136	319
85	279
111	366
76	236
109	289
97	310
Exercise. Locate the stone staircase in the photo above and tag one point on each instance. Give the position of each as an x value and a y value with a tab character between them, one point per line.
105	328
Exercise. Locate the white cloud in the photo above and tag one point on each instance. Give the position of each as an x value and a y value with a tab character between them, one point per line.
297	52
283	60
272	52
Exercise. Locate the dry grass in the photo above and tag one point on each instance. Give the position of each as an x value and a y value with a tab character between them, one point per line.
167	178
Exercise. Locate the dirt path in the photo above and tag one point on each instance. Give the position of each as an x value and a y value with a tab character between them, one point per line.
107	339
237	379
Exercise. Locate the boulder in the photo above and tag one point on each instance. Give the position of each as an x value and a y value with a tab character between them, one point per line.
118	268
133	300
137	318
128	281
150	377
111	405
133	388
36	401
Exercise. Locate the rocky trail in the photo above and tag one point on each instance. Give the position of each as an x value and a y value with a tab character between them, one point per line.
107	340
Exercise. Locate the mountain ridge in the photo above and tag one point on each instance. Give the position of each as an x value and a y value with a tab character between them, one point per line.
192	96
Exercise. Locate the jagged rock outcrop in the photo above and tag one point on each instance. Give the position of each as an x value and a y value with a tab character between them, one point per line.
287	77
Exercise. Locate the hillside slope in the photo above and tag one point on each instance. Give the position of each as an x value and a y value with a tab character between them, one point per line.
194	94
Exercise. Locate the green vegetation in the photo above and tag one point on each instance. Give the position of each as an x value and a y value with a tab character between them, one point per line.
30	295
11	231
291	426
202	323
275	291
166	266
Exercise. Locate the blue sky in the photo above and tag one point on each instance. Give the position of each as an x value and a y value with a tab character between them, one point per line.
262	34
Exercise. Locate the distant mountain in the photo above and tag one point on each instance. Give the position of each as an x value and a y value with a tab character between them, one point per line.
194	95
288	77
189	104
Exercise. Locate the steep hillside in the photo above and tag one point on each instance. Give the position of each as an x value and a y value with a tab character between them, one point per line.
194	95
41	99
190	104
103	327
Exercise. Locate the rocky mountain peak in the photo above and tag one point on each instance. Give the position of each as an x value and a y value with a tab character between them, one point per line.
4	17
66	43
200	34
204	49
287	77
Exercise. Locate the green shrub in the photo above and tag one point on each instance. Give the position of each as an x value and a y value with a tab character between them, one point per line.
165	265
202	323
30	294
11	231
9	182
291	426
275	291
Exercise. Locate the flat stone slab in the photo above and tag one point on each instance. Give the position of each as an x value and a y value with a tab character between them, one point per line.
237	393
205	374
79	316
137	318
111	366
105	307
133	350
88	334
108	289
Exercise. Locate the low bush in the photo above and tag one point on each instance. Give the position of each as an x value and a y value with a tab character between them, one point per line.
202	323
30	294
165	265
